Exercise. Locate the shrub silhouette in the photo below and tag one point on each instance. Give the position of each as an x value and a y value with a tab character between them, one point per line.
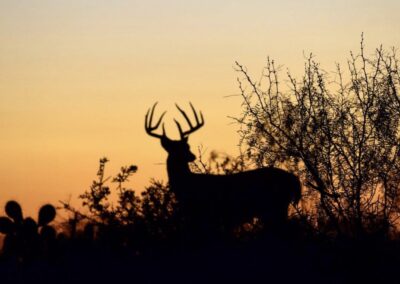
132	223
341	138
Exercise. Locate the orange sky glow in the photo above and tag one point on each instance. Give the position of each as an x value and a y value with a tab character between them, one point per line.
77	77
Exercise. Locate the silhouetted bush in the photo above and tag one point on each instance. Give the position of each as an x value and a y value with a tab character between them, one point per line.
341	138
133	222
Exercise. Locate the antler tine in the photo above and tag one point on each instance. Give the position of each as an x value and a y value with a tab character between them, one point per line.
149	120
181	133
184	115
199	122
196	117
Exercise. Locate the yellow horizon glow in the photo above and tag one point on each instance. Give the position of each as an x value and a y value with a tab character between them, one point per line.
77	77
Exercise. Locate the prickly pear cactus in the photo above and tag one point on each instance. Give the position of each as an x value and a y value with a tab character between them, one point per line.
23	239
14	211
47	213
6	225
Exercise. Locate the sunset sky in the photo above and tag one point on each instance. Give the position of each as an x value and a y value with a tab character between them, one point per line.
77	77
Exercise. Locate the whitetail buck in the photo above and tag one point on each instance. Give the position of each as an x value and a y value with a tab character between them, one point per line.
223	200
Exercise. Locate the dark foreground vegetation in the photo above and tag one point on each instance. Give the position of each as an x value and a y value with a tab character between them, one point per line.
341	140
156	249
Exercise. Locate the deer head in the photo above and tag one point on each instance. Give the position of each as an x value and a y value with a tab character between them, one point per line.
178	149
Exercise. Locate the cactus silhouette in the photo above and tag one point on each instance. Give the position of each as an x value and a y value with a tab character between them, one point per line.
6	225
14	211
47	213
24	235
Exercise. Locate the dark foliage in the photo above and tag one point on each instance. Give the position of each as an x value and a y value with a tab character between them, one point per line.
342	138
133	222
149	248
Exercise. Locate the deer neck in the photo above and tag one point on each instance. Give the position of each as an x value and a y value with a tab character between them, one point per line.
177	170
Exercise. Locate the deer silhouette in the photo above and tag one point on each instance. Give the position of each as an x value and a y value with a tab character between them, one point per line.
211	201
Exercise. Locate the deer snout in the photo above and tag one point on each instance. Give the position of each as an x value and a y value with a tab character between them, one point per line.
191	157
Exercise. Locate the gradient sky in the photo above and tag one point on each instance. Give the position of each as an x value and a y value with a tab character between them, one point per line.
76	77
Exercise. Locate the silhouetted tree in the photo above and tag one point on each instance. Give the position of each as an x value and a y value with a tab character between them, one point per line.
342	138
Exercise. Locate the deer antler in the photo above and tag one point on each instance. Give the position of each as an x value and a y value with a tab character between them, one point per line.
148	122
199	122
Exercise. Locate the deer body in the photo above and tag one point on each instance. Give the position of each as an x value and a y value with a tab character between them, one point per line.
230	200
264	193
